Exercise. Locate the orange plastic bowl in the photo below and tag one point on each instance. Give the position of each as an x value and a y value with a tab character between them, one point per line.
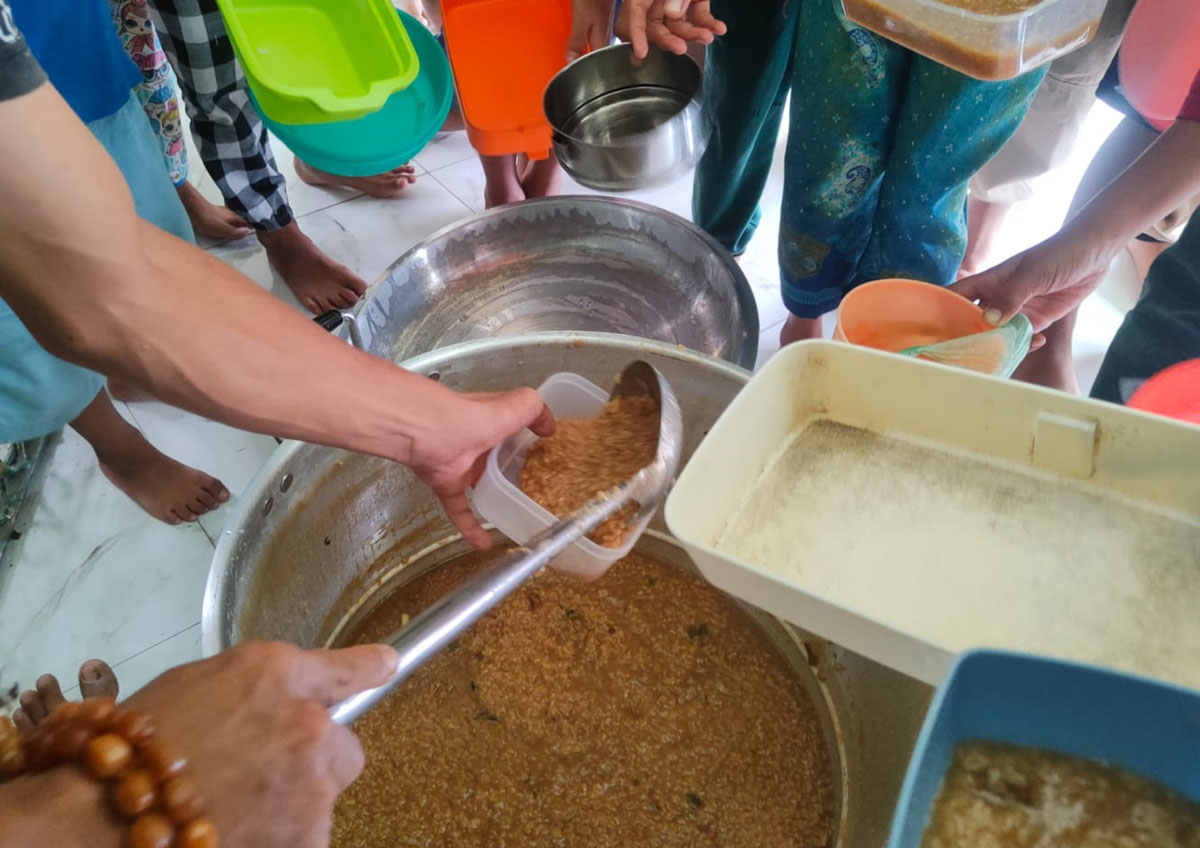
895	315
1174	392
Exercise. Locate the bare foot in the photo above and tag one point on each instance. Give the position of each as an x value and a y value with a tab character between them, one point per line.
96	680
797	329
388	184
503	184
540	177
168	490
209	219
319	283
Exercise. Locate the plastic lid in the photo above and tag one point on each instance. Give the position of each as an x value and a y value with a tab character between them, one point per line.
309	61
389	137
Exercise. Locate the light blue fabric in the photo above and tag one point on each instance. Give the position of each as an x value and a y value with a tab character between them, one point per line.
39	393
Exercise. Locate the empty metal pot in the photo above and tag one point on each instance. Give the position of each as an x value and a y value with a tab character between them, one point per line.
564	264
621	124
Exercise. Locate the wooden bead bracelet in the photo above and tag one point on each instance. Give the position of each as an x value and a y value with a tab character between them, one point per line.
118	747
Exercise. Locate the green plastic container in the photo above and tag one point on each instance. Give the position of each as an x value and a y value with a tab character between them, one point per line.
389	137
312	61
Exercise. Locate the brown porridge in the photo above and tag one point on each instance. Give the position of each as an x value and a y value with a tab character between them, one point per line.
1004	796
643	709
586	456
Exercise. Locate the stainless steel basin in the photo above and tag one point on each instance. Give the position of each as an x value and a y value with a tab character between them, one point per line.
321	533
568	264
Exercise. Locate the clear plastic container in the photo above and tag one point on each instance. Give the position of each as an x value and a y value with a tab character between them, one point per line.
500	500
987	47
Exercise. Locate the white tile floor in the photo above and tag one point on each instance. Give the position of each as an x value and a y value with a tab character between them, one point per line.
91	575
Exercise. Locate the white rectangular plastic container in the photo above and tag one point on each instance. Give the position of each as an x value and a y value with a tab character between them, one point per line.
499	499
987	47
933	510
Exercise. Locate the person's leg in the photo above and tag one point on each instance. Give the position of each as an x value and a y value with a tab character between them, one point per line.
130	141
1045	138
168	490
96	680
1163	328
949	127
502	183
747	74
847	84
540	177
985	221
384	186
1053	365
233	145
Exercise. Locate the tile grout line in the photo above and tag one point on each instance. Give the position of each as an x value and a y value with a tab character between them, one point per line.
131	657
452	192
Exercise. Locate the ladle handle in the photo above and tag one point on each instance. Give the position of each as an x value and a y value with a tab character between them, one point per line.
435	628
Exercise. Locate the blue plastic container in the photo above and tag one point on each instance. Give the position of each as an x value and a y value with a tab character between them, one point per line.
1141	725
385	139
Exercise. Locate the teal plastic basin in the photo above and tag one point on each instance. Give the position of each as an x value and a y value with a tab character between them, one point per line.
385	139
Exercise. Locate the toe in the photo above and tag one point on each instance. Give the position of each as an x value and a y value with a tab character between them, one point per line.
23	722
31	703
204	502
97	680
351	295
216	490
343	298
51	692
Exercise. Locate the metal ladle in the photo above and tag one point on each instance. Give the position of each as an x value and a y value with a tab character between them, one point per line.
436	627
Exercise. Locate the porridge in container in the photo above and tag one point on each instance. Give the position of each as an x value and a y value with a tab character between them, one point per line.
985	39
586	456
997	795
643	709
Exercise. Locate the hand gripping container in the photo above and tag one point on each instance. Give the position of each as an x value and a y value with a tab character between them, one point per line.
500	500
987	47
909	511
1140	725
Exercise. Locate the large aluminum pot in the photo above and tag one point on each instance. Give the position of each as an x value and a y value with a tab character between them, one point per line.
321	533
564	264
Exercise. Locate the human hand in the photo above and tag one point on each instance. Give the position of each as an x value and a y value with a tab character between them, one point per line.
669	24
261	749
591	26
452	458
1046	282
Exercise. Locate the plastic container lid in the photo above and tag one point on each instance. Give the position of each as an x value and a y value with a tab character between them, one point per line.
930	322
500	500
504	54
309	61
389	137
1147	727
984	46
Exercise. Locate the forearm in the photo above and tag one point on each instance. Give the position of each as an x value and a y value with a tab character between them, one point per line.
98	286
1163	178
58	808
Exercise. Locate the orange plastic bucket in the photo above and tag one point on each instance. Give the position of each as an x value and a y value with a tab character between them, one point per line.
895	315
504	54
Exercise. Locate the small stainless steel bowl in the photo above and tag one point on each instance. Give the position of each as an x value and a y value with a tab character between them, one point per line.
620	124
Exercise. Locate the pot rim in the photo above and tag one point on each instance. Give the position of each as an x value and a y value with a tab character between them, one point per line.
265	482
747	351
